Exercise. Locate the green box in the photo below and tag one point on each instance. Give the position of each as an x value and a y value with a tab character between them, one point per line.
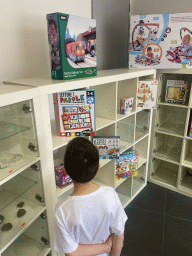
72	44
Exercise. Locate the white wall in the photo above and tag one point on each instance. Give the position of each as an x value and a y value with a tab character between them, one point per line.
160	6
24	48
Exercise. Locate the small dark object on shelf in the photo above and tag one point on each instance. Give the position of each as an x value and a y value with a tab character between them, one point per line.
44	240
20	205
7	227
21	213
1	218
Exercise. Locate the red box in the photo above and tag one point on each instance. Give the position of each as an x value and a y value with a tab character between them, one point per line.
62	178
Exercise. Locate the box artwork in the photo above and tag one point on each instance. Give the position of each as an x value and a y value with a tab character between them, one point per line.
127	165
62	178
176	91
126	105
146	94
190	126
161	41
76	113
72	44
109	147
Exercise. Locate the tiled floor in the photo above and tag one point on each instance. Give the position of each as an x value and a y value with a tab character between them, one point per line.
159	224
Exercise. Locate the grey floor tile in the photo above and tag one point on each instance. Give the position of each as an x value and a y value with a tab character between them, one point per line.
178	205
143	233
177	237
151	198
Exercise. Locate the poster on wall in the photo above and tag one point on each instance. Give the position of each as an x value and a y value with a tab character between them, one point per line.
161	41
76	113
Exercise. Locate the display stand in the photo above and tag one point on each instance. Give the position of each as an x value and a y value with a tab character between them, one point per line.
171	155
134	130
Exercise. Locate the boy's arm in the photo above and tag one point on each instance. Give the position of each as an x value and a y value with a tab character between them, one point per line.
92	249
117	244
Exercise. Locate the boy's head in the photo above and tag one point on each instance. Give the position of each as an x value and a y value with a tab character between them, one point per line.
149	49
186	39
81	160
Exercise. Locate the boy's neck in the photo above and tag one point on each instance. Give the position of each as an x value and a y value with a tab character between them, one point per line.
84	188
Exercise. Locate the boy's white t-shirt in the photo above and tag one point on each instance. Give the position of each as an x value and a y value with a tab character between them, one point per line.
88	219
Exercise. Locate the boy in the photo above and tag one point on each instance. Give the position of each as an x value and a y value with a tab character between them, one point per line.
187	46
91	220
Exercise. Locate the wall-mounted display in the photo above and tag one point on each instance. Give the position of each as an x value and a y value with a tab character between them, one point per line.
76	113
161	41
72	44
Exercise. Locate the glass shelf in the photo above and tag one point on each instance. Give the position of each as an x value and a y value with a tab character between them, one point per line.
125	129
139	180
188	153
8	129
185	183
30	242
168	147
124	190
165	172
142	123
171	119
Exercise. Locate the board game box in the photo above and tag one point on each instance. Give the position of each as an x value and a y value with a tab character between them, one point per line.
161	41
109	147
126	105
127	165
146	94
62	178
72	45
176	91
76	113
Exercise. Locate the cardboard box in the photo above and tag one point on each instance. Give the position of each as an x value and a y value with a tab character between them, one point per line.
176	91
76	113
146	94
62	178
127	165
161	41
109	147
72	43
126	105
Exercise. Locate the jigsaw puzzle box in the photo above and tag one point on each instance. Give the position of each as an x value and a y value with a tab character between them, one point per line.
161	41
72	46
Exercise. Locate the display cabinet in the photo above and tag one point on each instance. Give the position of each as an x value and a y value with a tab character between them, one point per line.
171	154
22	198
133	128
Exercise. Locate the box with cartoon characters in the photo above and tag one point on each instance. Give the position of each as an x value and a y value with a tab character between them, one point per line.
161	41
72	45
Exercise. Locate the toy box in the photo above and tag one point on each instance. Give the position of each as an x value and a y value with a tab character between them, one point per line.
127	165
146	94
109	147
72	44
126	105
62	178
161	41
176	91
76	113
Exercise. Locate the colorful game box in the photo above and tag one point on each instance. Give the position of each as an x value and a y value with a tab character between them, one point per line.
190	126
72	44
146	94
62	178
109	147
176	91
127	165
126	105
76	113
161	41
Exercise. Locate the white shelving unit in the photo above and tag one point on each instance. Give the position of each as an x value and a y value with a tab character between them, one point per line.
134	129
171	154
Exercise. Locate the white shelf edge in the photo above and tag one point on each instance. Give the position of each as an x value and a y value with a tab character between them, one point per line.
169	133
61	191
19	171
143	137
165	159
172	105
